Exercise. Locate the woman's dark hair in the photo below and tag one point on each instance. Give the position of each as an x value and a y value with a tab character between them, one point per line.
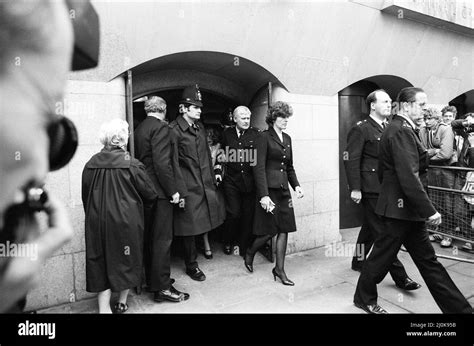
214	133
278	109
408	94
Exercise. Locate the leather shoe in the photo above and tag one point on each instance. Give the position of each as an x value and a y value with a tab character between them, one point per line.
171	295
371	309
227	249
408	285
196	274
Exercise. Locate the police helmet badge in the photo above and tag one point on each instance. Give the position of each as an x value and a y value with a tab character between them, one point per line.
192	96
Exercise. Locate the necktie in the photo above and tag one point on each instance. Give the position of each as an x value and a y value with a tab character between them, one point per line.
384	125
241	133
195	127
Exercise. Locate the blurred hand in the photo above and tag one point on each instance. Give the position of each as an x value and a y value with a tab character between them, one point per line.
175	198
218	179
356	196
299	192
22	273
435	219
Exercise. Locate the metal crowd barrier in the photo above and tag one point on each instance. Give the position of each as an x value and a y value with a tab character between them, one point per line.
453	198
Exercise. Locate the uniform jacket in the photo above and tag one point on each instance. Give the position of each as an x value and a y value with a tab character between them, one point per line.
195	180
442	141
239	172
153	148
274	168
403	168
362	151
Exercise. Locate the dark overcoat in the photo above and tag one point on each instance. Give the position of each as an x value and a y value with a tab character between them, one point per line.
195	180
114	189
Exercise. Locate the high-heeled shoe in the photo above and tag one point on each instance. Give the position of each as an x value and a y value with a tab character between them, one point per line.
208	254
248	261
286	282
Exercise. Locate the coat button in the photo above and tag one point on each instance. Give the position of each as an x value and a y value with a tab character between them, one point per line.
242	171
284	149
281	170
240	143
373	169
284	156
241	164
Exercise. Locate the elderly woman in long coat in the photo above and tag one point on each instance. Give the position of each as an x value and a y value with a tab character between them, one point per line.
115	187
199	211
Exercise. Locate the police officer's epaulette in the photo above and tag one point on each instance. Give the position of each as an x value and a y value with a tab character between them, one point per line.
173	124
361	122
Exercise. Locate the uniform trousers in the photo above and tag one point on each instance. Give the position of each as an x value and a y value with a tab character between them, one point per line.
240	208
157	245
371	227
414	236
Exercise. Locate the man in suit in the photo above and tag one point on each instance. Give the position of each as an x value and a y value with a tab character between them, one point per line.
239	186
361	163
405	207
153	149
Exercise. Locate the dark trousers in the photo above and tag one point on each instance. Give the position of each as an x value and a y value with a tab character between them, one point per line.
190	252
240	208
371	227
157	248
414	236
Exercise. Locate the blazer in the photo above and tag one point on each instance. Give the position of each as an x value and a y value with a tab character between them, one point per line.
274	168
403	165
153	149
361	158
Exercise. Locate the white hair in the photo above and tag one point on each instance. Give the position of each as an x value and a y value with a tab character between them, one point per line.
114	133
242	109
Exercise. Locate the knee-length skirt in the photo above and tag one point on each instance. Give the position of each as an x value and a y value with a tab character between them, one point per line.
283	218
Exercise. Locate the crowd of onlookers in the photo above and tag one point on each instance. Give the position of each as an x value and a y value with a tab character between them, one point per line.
449	139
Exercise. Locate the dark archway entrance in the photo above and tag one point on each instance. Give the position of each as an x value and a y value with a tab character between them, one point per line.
352	109
464	103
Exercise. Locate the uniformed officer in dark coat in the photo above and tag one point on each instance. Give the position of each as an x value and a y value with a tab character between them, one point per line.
238	145
194	175
153	148
405	207
361	164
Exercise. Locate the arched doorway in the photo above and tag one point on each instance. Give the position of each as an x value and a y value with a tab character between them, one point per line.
225	81
464	103
352	108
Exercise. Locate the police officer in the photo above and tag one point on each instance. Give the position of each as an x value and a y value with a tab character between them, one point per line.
405	207
361	163
238	144
153	148
198	210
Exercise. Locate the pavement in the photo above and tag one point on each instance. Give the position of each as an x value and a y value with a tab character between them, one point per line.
324	283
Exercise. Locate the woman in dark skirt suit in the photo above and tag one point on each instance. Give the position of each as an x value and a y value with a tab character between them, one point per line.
274	213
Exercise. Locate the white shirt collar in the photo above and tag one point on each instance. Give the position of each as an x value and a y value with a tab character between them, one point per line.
409	120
